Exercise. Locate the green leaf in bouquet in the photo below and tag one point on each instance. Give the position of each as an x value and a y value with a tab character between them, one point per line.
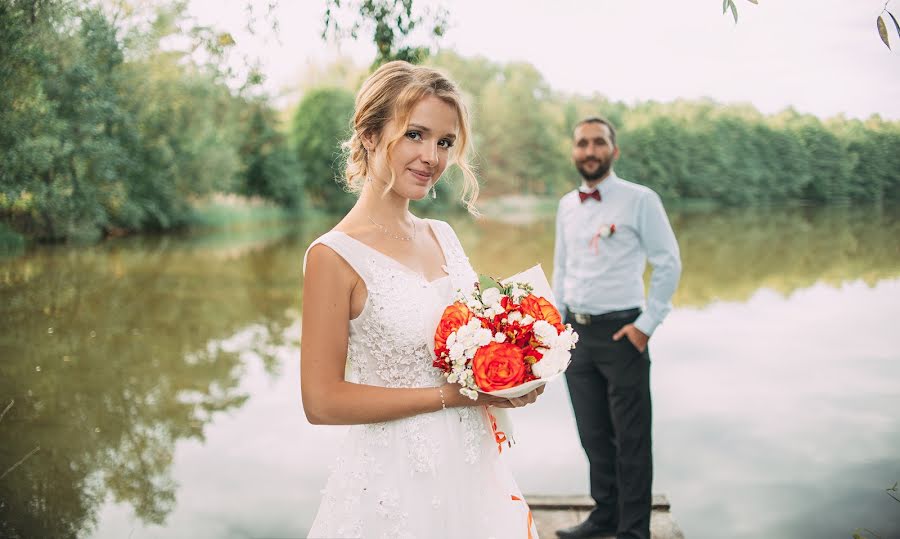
486	281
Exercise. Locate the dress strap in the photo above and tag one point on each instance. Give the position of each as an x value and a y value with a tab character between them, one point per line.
453	249
461	273
346	248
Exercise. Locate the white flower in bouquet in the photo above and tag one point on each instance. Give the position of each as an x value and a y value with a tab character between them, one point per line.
517	293
472	335
471	393
473	303
491	297
567	339
554	361
546	333
457	351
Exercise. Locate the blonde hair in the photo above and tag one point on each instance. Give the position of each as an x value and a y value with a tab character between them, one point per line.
391	92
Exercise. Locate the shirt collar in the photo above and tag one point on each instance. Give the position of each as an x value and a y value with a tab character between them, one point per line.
603	186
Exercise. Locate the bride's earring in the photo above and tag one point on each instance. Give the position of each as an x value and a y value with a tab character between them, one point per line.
433	191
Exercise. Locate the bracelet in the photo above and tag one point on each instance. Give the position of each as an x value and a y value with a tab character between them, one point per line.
443	404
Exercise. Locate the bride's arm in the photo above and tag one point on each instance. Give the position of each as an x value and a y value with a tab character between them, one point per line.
328	399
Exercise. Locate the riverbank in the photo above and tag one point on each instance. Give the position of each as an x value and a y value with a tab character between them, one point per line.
525	209
216	211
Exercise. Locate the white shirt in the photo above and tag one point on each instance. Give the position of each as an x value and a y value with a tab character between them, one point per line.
594	274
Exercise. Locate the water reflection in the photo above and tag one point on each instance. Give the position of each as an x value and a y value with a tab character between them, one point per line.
728	254
121	358
108	362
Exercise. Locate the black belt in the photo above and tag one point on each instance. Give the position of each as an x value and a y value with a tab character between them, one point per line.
588	319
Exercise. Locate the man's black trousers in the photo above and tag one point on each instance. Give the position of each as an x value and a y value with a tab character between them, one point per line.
609	383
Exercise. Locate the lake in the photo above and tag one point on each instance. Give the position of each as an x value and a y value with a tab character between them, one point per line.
149	387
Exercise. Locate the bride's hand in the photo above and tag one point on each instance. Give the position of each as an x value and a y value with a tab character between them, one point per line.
453	398
524	400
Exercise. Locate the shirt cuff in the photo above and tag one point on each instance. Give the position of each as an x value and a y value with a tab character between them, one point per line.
646	324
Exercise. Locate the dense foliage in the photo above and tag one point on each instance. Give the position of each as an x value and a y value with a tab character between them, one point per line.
108	127
114	122
733	154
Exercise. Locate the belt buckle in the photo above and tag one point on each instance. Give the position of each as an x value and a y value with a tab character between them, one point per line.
583	319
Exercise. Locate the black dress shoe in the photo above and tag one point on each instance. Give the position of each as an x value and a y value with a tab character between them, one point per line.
586	530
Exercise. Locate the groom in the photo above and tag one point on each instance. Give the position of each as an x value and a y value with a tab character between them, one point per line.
606	231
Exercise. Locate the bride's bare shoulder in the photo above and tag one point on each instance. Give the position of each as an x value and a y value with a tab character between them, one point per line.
324	266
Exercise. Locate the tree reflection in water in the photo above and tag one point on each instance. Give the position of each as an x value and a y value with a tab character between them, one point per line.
114	353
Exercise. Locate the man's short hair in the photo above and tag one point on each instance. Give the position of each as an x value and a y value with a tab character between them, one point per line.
599	120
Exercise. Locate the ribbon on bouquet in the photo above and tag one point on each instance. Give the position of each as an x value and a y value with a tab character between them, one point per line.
501	426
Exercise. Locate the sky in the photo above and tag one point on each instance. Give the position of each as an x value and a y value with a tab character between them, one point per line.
822	57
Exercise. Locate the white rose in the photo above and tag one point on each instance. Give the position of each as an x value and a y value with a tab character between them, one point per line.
605	231
514	316
500	337
451	339
553	362
545	332
490	297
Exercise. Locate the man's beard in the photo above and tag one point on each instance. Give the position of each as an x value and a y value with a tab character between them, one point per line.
602	168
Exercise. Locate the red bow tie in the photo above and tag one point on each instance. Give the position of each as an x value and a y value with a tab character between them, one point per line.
593	194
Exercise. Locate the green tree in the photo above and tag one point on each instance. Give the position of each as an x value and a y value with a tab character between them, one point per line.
107	128
321	123
518	133
270	168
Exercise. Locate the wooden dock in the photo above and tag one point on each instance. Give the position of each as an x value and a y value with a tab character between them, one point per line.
554	512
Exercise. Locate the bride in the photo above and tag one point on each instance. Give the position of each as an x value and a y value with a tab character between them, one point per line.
420	460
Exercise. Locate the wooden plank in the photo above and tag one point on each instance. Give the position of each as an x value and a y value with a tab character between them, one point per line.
660	502
552	513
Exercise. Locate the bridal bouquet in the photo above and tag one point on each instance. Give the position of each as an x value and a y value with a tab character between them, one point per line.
504	340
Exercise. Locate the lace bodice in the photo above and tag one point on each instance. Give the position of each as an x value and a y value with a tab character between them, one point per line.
390	341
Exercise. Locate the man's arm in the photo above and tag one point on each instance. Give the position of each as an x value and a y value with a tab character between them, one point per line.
664	256
559	263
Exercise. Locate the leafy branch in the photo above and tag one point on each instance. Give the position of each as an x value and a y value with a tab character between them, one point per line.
879	22
882	27
729	4
391	22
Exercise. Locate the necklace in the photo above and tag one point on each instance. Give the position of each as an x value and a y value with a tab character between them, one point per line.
385	230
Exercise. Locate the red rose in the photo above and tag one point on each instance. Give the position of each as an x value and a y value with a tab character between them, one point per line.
455	316
498	366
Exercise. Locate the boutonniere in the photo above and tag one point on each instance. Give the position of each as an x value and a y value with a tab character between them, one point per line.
604	231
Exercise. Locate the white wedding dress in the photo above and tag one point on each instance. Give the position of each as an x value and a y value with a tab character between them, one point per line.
431	476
